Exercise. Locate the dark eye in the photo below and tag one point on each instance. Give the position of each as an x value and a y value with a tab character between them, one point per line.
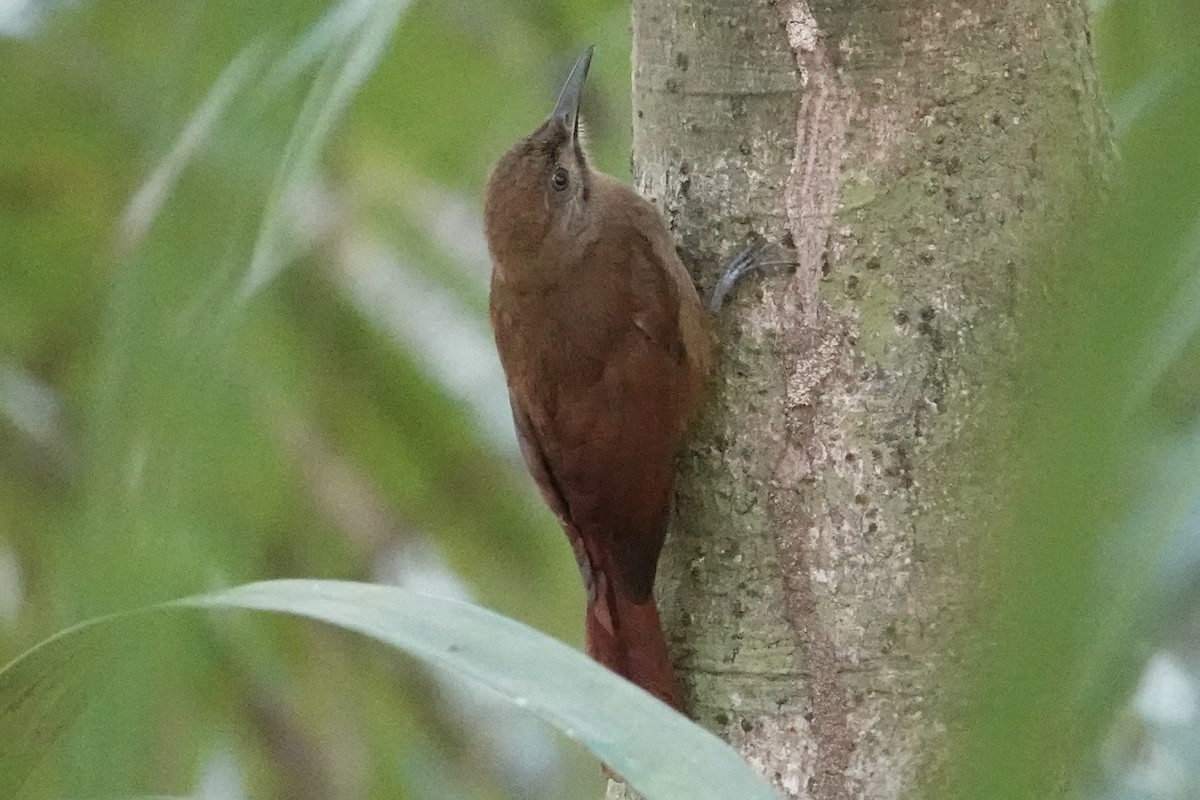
559	178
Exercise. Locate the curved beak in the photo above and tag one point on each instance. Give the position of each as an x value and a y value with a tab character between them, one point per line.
567	108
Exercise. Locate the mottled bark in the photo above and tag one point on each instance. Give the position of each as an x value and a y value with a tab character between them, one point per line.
826	538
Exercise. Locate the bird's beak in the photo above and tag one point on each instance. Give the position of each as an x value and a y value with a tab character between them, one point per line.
567	108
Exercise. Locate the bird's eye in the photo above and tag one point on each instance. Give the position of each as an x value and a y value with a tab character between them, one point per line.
560	178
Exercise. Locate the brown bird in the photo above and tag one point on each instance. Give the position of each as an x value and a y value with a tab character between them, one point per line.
606	349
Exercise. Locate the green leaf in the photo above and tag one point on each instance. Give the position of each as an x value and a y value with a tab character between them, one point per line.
658	751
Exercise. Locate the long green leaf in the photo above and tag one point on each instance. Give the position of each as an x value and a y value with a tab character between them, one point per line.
659	752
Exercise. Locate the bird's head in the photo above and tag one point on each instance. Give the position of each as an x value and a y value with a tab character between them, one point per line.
539	189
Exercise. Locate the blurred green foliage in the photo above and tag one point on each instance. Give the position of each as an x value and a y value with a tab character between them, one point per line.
1092	674
236	346
195	391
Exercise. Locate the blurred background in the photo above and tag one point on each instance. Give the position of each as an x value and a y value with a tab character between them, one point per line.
243	336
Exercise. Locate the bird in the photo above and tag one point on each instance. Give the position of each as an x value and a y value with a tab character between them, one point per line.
606	351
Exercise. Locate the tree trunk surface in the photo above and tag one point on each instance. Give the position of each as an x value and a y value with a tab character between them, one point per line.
818	574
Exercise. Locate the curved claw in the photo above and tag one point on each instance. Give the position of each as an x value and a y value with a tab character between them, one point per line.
747	260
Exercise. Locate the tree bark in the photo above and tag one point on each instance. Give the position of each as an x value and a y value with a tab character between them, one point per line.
827	518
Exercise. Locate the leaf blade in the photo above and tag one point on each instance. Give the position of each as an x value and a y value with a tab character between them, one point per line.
659	752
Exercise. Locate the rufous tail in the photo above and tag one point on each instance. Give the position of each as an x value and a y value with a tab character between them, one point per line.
627	637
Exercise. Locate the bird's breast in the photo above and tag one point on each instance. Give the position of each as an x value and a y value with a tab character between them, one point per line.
555	334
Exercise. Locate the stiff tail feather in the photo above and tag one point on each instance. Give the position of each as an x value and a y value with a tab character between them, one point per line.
627	637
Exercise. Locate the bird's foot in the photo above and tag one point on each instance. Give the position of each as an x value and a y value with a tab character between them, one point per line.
750	258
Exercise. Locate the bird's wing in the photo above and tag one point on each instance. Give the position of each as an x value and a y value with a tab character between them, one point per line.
552	493
615	383
612	435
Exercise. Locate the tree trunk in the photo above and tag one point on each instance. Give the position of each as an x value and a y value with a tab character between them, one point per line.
826	534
